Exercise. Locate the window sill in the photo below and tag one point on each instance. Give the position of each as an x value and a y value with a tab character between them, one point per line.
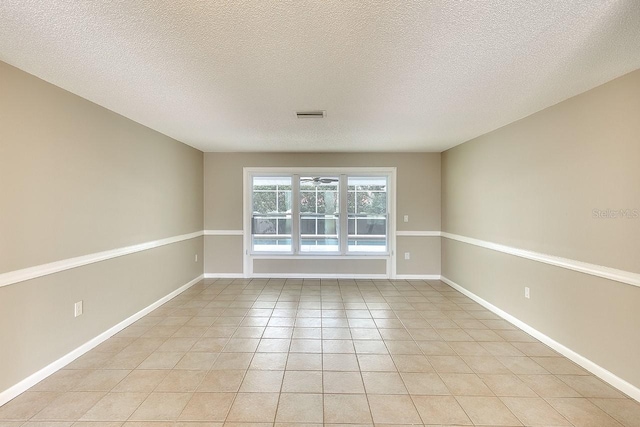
359	255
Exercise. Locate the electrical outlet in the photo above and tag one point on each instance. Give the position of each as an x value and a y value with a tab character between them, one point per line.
526	292
407	255
406	218
77	309
196	257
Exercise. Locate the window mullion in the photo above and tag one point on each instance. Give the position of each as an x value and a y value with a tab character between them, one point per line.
295	214
343	229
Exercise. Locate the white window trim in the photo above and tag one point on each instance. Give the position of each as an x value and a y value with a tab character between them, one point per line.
249	172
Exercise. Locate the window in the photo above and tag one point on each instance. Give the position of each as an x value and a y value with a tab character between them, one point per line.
322	214
319	214
271	217
367	210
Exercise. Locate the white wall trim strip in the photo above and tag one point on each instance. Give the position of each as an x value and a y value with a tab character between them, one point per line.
34	272
571	264
418	233
224	276
417	277
316	276
303	257
223	232
43	373
590	366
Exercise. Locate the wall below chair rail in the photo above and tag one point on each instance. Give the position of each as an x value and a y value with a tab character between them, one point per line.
548	184
76	180
38	324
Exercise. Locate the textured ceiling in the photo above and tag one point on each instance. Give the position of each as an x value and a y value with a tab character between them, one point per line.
392	75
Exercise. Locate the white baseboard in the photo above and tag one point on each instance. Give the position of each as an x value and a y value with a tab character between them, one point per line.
587	364
43	373
317	276
417	277
224	276
320	276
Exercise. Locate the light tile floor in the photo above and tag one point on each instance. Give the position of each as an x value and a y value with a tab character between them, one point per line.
293	352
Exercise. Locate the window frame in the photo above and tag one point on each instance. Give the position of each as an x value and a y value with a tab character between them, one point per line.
387	215
250	207
343	232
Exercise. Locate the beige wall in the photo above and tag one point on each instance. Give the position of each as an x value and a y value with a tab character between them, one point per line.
418	195
314	266
76	179
424	255
223	254
533	185
37	325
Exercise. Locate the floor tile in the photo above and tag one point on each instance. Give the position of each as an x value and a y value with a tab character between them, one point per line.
162	360
306	346
590	386
161	407
141	381
440	410
383	383
197	361
370	347
548	386
181	381
376	363
534	411
63	380
26	405
211	344
274	345
449	364
69	406
342	382
625	411
254	407
180	344
346	409
435	348
487	411
222	381
262	381
559	366
302	382
304	352
300	408
337	346
403	348
241	345
115	407
485	365
269	361
227	361
412	363
424	384
101	380
466	385
393	409
207	407
582	413
340	362
507	385
522	365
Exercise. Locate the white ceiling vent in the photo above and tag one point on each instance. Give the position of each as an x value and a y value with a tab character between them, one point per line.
320	114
